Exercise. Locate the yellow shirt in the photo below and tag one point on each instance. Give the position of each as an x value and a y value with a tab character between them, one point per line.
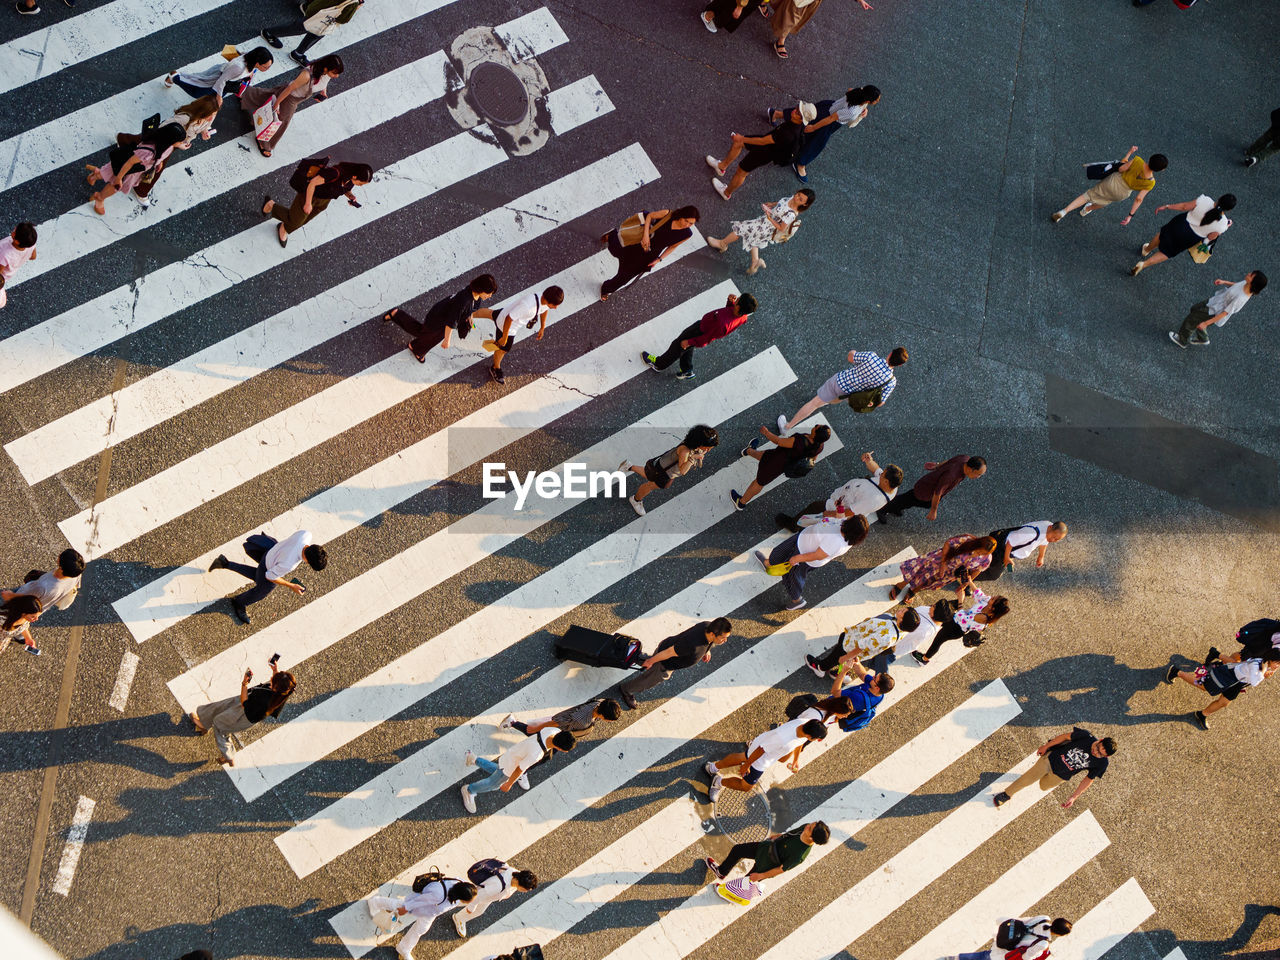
871	636
1133	178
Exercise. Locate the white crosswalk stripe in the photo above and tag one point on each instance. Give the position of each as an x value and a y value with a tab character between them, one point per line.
1120	913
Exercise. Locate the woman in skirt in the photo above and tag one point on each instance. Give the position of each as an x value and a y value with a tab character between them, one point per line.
791	16
659	472
779	218
961	558
774	463
1201	220
239	713
1134	173
727	14
847	111
151	150
313	81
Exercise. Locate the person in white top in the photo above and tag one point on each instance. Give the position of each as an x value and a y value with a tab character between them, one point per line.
847	110
783	742
1225	681
436	897
15	250
57	588
528	309
1217	309
214	80
495	881
276	560
861	495
1202	220
1025	938
513	765
1019	543
814	546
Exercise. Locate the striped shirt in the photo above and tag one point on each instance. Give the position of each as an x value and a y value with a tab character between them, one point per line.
578	719
869	370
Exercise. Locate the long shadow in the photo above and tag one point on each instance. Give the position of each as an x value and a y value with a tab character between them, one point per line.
96	743
1233	946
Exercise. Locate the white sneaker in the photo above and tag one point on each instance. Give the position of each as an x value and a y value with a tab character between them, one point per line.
709	24
468	800
720	188
717	788
505	722
714	164
636	505
782	424
524	781
459	924
469	758
712	770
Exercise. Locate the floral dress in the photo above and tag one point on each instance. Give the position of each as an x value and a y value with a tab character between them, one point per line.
930	573
758	233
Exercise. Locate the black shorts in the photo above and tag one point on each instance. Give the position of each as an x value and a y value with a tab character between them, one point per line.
753	158
1210	686
655	474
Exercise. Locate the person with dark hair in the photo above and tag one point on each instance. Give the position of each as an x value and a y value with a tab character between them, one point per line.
319	19
195	119
1133	174
1217	309
316	185
872	638
1027	938
311	81
814	546
447	315
57	588
784	742
778	225
276	560
848	110
781	852
960	559
213	81
1265	145
678	652
714	325
513	765
660	471
577	720
15	250
495	881
830	710
1224	681
860	496
16	616
126	166
1019	543
1061	759
779	146
794	456
968	621
867	384
727	15
1199	223
643	241
239	713
434	896
528	308
939	480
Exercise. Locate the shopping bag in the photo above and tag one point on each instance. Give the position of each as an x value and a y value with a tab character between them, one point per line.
741	890
229	52
265	121
778	569
1201	252
384	921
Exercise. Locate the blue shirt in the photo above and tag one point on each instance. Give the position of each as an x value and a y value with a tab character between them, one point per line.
869	370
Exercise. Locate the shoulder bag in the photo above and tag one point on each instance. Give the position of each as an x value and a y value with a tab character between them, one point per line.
631	232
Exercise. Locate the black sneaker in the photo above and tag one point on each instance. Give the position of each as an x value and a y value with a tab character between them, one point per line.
918	657
1201	720
649	360
1249	161
1177	340
241	613
219	563
812	661
785	522
496	375
1214	656
1000	799
299	58
1171	674
628	700
736	497
272	39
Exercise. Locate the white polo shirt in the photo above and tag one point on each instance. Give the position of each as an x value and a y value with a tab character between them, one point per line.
1026	538
527	752
862	495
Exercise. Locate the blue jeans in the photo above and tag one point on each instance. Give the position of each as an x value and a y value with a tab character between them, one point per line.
490	783
978	955
793	581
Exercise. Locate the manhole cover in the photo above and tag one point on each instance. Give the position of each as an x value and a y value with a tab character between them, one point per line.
743	817
498	94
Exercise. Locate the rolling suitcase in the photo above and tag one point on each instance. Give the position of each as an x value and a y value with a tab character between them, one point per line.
598	649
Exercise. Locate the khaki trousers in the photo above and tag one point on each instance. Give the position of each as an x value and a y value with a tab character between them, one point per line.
1039	771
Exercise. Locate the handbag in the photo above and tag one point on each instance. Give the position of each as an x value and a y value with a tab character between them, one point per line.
799	468
265	121
1202	251
631	232
229	52
741	890
783	234
778	569
864	401
1102	169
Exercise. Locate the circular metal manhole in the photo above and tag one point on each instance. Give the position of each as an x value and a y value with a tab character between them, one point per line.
498	94
743	817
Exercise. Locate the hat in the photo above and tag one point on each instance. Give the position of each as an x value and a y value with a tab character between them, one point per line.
808	112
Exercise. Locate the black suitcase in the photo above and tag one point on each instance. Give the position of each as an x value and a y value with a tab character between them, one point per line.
598	649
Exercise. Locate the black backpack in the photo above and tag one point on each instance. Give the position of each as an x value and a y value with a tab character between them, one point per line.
487	869
1258	633
423	880
799	704
799	468
305	171
1010	933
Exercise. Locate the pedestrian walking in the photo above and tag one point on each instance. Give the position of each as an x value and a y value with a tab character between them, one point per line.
931	620
967	622
778	225
814	546
433	895
195	119
530	308
677	652
779	146
319	19
839	113
866	640
714	325
784	742
1199	224
779	853
316	185
794	455
867	383
240	69
643	241
127	166
861	496
789	18
1265	145
1133	174
726	15
577	720
16	616
451	314
940	480
1225	681
311	81
58	588
239	713
494	881
1021	938
1019	543
1061	759
1218	309
15	250
513	765
660	472
276	560
960	559
829	711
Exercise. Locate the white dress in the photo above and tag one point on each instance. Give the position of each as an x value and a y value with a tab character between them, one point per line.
758	233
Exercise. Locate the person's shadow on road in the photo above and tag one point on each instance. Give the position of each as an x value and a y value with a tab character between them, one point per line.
246	932
1233	946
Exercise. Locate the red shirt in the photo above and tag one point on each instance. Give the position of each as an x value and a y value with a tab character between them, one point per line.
717	324
942	479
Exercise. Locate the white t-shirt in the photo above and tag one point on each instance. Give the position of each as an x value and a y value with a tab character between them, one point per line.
824	536
432	901
11	258
1035	947
776	743
1195	218
1252	672
523	310
527	752
862	495
51	590
1026	538
494	890
849	116
1229	300
921	636
284	557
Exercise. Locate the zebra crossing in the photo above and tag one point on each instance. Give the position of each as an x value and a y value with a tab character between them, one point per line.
275	757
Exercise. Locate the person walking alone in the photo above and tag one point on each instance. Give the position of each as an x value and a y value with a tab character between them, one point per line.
814	546
1218	309
779	853
940	480
514	764
1225	681
842	112
1061	759
678	652
1199	223
451	314
1021	938
319	19
276	560
236	714
316	185
312	81
1133	174
660	471
784	742
870	377
213	81
776	226
714	325
789	19
794	456
1265	145
644	241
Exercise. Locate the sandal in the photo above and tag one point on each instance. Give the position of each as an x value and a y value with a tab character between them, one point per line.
263	148
265	201
390	314
780	49
420	357
99	209
196	723
893	593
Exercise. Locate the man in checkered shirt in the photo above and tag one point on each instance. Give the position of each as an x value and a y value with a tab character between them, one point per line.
869	370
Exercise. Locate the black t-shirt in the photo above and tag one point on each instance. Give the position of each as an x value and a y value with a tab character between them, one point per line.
691	646
334	186
257	703
787	138
1069	758
666	236
450	311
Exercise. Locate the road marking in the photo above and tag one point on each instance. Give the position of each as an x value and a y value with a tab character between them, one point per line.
1119	914
124	680
1019	889
1176	954
195	379
75	844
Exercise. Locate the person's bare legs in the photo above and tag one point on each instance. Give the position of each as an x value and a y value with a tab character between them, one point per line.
100	197
644	489
1077	202
738	176
724	243
752	491
1214	707
756	262
735	151
804	412
733	760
